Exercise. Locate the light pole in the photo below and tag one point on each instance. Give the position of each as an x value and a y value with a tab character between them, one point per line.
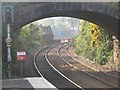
9	19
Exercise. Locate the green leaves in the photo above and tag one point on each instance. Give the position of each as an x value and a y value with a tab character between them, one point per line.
100	54
31	35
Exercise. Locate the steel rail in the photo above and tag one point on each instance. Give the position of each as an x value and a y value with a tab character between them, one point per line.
49	64
66	50
46	56
58	52
34	59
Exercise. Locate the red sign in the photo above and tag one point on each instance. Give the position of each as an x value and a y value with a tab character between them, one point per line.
64	40
21	55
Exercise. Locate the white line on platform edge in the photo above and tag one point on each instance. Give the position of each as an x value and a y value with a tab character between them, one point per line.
40	82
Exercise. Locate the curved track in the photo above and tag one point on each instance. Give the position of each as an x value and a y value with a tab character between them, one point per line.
54	64
46	71
109	79
114	74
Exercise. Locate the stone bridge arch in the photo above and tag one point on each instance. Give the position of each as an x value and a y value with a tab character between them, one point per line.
104	14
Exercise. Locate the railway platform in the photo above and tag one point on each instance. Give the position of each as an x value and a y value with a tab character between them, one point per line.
30	83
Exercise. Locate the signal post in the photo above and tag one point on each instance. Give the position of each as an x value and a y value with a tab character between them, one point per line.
8	19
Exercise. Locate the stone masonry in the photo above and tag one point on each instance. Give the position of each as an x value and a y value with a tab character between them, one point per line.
116	52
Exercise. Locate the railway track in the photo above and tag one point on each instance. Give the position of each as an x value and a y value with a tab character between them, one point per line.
113	73
46	71
62	73
101	76
74	74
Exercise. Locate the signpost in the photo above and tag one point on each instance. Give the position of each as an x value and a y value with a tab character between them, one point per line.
21	56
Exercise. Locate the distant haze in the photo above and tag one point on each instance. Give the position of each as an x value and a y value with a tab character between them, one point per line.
62	27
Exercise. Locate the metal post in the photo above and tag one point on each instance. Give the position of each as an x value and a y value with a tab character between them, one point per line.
21	70
9	70
8	40
8	19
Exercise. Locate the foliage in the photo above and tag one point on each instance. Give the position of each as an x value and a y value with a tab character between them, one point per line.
4	56
62	27
93	42
23	39
61	23
31	35
95	33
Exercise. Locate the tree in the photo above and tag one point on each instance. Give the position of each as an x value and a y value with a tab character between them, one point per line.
94	43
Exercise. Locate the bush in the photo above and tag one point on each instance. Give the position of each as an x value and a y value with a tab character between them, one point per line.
93	42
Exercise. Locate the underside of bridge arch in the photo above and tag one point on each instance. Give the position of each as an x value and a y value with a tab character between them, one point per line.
108	23
99	14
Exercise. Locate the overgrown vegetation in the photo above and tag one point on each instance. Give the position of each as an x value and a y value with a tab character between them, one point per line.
94	43
28	37
32	35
